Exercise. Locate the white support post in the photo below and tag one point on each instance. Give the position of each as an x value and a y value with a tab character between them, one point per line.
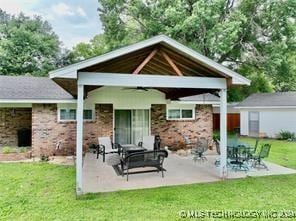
79	139
223	133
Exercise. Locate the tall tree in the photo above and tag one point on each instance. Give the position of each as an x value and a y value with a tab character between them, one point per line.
27	45
247	36
96	46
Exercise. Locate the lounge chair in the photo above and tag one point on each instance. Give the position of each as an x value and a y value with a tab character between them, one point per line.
106	147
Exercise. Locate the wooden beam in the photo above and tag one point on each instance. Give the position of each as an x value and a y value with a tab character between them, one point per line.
146	60
169	60
195	64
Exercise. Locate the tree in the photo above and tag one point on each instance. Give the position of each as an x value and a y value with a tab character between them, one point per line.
95	47
244	35
27	45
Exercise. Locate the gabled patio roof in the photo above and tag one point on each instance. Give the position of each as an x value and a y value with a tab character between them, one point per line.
159	55
160	63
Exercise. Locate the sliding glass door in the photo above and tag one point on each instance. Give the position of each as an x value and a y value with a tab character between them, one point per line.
122	126
131	125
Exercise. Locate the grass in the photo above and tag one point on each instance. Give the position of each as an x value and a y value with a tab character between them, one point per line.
282	152
41	191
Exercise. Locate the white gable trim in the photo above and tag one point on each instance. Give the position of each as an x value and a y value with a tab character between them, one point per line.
71	70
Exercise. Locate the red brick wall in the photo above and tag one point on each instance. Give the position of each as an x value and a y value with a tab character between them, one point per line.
12	119
47	131
173	131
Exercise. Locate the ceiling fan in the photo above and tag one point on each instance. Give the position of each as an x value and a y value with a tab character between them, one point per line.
136	88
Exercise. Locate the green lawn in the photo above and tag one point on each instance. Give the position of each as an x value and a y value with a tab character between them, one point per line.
43	191
282	152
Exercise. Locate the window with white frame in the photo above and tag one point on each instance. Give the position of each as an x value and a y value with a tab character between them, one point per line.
69	114
180	114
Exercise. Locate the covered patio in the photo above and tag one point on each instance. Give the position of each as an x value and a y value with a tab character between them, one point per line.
180	170
162	64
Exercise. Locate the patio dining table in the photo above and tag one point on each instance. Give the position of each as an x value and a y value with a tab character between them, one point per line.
238	152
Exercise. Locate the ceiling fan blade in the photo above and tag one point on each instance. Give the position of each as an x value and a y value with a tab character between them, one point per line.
136	88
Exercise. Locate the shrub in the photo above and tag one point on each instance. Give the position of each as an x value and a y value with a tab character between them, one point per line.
44	158
7	150
286	135
216	135
23	150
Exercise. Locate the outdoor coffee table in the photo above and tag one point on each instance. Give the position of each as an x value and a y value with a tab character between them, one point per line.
131	148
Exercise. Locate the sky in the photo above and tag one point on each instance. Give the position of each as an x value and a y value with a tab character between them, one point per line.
73	21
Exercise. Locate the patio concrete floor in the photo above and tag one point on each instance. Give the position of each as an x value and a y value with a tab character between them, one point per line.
100	177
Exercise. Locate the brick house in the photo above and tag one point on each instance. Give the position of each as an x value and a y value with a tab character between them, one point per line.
126	94
48	111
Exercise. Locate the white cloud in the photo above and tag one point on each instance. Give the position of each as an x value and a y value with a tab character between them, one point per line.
81	12
72	41
72	22
62	9
16	6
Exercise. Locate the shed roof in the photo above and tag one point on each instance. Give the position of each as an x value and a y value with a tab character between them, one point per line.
278	99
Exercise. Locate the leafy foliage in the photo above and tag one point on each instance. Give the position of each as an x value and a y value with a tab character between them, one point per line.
27	45
7	150
255	38
96	47
286	135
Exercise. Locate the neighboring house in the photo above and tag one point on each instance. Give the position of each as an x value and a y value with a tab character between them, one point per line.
125	94
266	114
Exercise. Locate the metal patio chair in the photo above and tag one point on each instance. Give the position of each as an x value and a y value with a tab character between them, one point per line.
106	147
264	153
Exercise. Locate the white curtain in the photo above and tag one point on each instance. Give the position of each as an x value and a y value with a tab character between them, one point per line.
140	125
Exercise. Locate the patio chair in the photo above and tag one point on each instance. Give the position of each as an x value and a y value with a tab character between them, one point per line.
148	142
188	143
200	150
264	153
217	144
106	147
252	151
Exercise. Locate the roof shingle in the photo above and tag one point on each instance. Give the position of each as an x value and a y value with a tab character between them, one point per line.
25	87
270	99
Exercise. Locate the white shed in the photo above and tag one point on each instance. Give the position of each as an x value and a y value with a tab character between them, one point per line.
266	114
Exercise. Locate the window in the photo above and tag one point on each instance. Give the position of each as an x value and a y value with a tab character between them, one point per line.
87	114
187	113
180	114
70	114
67	114
174	114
